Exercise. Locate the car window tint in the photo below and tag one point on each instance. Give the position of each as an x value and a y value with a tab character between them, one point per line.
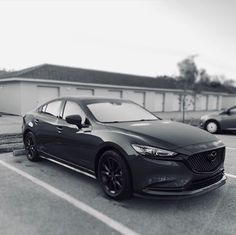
72	108
53	108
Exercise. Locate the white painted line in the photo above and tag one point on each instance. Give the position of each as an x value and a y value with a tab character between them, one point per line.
230	175
75	202
231	148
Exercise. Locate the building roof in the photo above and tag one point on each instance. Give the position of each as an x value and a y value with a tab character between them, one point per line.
71	74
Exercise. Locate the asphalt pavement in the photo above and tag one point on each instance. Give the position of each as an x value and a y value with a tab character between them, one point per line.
45	198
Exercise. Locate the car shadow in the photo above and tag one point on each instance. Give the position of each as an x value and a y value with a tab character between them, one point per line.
135	204
228	133
142	205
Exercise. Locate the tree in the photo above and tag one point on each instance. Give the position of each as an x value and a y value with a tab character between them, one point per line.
229	83
188	76
188	71
204	77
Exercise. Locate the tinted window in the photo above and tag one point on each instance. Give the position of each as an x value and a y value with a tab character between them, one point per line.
119	112
72	108
52	108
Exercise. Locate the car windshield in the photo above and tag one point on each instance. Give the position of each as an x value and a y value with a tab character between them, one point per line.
119	111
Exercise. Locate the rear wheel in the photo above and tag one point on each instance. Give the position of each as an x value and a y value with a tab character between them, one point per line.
212	127
31	147
114	175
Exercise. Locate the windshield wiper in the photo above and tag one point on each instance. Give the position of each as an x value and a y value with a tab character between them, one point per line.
113	122
139	120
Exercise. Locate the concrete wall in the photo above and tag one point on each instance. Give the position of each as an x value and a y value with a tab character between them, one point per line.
172	101
201	102
10	97
228	101
21	97
28	97
212	102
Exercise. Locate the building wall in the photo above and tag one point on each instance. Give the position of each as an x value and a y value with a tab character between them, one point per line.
25	96
228	101
172	101
201	102
28	97
10	97
212	102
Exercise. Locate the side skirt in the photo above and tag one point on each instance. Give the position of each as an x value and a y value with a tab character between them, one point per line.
74	168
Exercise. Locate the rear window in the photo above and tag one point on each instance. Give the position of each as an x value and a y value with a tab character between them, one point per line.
52	108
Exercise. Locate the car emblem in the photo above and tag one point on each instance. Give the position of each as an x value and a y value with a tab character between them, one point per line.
212	156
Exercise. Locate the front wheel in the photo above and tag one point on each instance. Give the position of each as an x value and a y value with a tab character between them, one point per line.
114	175
31	147
212	127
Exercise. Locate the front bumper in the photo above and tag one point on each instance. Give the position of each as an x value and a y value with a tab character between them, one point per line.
202	124
181	193
175	178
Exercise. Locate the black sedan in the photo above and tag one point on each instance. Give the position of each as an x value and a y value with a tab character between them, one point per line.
126	147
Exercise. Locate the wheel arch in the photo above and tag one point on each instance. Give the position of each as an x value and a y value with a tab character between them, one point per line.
114	147
25	133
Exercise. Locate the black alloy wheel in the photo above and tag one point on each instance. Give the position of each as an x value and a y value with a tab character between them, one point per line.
31	147
114	175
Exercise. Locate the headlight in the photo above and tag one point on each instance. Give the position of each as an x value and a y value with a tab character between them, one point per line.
151	151
203	118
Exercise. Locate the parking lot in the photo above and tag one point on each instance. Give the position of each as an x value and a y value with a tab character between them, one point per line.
45	198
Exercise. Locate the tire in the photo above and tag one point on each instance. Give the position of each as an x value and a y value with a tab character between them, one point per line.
31	147
212	127
114	175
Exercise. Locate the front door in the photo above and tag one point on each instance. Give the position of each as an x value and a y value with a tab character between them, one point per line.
76	145
229	120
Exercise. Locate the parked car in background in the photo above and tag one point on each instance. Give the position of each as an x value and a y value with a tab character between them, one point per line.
126	147
220	121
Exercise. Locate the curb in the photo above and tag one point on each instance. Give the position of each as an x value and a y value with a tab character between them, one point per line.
10	142
18	152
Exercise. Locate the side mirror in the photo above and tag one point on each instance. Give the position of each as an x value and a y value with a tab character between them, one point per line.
224	112
75	120
227	111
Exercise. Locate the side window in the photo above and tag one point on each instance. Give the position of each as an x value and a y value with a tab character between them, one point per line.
43	109
52	108
72	108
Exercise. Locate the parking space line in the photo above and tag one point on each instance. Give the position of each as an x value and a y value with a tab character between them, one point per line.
75	202
230	175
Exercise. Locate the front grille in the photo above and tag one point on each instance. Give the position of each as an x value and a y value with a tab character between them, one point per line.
206	161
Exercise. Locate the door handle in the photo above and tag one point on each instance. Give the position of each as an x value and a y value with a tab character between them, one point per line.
59	129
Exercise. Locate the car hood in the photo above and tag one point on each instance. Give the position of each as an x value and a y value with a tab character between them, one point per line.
215	114
167	134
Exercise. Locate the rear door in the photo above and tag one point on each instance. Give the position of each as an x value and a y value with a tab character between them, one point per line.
47	134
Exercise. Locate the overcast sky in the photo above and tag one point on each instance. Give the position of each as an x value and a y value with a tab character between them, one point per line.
138	37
